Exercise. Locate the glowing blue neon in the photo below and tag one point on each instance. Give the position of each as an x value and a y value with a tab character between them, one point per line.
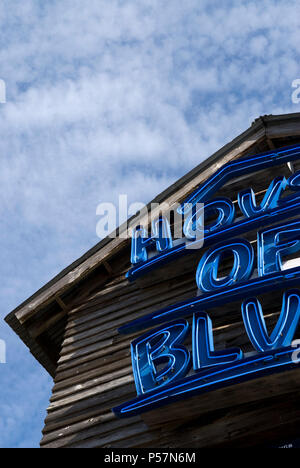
158	357
245	225
204	354
239	168
161	238
155	356
211	379
294	181
227	172
243	258
293	184
286	326
247	201
195	222
275	243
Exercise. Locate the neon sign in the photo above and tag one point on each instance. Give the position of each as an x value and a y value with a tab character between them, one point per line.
160	359
273	206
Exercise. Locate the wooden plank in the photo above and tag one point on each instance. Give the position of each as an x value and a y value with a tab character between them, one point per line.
243	393
96	390
93	383
87	408
85	358
115	314
131	430
99	425
95	362
242	426
96	372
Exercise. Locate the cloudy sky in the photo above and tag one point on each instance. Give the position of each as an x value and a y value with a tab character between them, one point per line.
109	97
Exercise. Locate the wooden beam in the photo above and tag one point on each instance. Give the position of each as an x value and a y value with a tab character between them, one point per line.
108	268
61	303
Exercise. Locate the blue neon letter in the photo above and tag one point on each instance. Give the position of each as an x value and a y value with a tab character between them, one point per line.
285	329
161	238
275	243
247	202
294	182
195	222
158	357
204	354
207	272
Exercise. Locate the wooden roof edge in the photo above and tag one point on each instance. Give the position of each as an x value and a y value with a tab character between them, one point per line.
265	126
35	349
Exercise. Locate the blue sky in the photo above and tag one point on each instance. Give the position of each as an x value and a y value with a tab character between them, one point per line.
109	97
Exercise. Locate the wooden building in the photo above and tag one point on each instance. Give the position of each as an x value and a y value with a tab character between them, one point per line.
71	326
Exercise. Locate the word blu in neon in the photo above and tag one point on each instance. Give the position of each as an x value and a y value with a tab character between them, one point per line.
159	357
161	361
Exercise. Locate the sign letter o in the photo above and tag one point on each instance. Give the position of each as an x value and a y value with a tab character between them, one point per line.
243	259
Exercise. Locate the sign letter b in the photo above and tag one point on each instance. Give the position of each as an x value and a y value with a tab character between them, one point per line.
158	357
